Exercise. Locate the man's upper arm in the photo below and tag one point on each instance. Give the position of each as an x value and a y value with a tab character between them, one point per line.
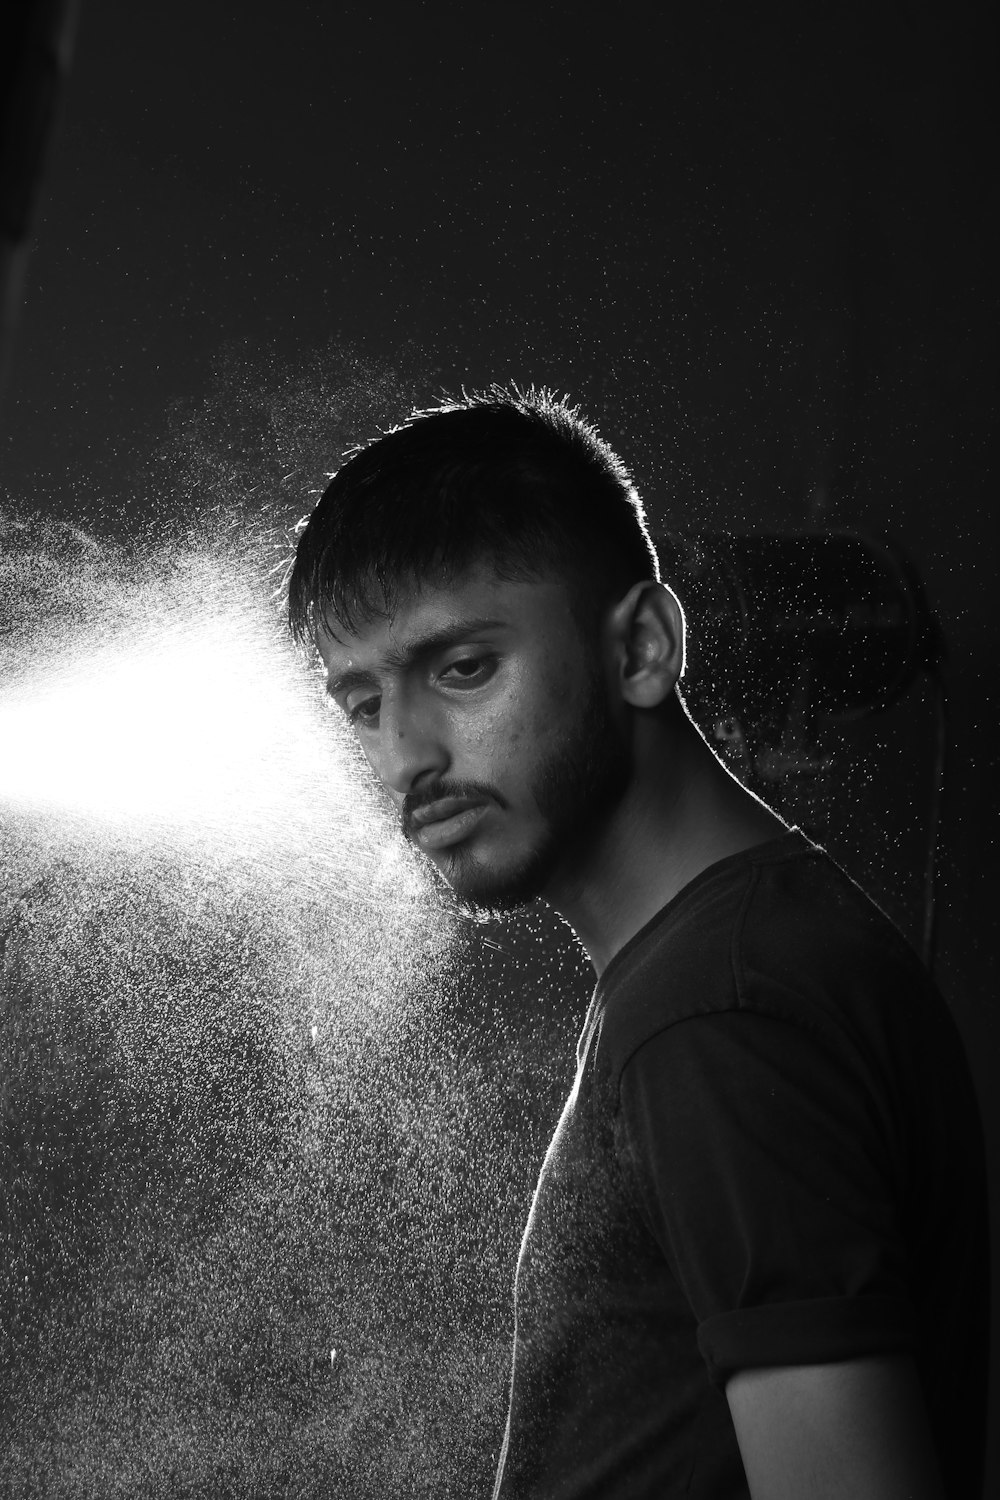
853	1430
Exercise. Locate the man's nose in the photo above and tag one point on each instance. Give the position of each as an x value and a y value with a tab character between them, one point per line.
410	750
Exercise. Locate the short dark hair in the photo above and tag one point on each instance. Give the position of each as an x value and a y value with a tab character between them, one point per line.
515	478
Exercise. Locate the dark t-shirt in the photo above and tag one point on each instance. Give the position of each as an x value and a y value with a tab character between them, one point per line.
771	1155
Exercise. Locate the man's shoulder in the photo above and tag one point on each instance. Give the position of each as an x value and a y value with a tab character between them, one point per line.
780	930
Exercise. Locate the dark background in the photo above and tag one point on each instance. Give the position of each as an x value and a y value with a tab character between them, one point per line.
757	243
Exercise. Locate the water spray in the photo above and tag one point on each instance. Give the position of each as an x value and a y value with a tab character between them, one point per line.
237	1134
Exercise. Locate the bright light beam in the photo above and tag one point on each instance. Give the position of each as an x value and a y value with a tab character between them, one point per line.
197	726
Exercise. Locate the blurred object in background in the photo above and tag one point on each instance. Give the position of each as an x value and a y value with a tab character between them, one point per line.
37	42
794	637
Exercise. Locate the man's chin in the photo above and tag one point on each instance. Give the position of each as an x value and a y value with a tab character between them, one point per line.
487	891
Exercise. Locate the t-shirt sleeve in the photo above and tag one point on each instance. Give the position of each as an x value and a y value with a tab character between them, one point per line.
763	1164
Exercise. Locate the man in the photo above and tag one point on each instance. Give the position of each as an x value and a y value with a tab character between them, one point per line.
755	1261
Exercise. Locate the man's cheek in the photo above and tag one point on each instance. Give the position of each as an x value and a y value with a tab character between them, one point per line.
497	739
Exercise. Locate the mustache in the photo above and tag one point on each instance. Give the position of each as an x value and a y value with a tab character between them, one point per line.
472	791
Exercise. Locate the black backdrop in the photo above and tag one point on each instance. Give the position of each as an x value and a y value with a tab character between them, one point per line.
758	244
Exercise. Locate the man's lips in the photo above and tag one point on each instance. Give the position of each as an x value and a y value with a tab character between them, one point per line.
446	821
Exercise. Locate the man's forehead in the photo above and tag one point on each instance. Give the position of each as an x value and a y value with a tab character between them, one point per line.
474	599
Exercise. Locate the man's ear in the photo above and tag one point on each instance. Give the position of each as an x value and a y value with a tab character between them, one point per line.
647	640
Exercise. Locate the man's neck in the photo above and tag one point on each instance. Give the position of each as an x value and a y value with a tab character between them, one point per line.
682	813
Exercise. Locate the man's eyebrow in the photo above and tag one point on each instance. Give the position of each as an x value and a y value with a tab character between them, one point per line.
410	652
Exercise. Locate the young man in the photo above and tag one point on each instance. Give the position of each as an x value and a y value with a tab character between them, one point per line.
755	1261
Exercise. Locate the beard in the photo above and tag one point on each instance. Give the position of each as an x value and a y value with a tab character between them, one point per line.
574	789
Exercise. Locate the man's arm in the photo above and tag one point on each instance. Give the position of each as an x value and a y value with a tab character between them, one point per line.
855	1430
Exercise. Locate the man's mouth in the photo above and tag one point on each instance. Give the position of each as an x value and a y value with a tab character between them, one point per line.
445	822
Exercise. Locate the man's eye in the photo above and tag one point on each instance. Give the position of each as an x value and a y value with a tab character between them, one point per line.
365	713
471	669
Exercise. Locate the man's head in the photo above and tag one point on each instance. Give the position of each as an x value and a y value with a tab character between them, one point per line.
518	480
457	577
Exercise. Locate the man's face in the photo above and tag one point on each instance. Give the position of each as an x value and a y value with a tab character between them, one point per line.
486	715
